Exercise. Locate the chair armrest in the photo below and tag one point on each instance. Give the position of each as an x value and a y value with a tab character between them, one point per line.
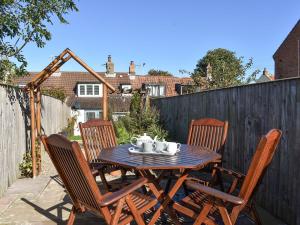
230	172
117	195
215	193
193	179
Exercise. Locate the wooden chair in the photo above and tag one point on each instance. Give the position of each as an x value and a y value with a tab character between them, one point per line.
206	203
120	207
96	135
210	133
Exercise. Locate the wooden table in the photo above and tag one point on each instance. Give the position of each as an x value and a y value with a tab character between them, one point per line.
189	158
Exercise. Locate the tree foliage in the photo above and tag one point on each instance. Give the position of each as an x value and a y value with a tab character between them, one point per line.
227	69
23	22
58	93
154	72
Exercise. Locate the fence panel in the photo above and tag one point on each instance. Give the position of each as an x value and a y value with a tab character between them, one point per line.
251	111
15	128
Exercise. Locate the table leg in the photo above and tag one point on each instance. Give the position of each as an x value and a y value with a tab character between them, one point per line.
165	199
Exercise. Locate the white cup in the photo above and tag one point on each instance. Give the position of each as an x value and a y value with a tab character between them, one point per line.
173	147
148	146
161	146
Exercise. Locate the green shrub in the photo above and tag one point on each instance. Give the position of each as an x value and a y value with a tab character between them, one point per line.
142	119
25	166
58	93
69	129
75	138
123	136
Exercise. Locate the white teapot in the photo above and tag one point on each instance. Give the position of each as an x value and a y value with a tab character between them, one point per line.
141	139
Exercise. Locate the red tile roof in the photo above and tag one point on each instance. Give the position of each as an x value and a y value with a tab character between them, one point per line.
69	80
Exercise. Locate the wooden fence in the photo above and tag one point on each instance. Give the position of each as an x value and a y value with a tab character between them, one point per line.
15	129
252	111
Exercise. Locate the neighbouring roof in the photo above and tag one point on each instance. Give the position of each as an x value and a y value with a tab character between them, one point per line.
297	26
265	78
69	80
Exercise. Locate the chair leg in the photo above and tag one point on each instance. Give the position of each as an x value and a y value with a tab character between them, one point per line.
203	214
123	175
219	179
72	216
104	181
185	189
118	211
255	214
225	216
167	188
138	218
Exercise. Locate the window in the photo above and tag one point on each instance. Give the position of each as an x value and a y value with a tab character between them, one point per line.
81	90
96	90
126	87
91	114
89	90
156	90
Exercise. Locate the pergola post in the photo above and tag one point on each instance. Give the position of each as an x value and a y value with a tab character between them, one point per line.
32	122
105	103
38	128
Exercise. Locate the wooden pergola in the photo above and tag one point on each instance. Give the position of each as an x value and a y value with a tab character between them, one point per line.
34	90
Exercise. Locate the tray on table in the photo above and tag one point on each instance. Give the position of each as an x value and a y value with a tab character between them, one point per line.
139	151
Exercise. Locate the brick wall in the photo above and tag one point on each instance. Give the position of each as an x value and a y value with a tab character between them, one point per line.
287	57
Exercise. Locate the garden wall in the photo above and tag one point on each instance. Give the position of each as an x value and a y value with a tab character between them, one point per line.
251	111
15	128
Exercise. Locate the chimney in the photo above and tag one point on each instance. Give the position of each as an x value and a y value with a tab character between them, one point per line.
131	68
57	73
110	67
266	72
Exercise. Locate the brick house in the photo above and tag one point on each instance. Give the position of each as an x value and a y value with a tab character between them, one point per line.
84	92
287	56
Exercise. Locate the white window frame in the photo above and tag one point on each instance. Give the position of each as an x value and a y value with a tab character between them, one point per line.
85	90
98	114
126	87
159	86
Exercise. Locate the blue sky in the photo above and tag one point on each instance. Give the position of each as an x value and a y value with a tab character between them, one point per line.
168	34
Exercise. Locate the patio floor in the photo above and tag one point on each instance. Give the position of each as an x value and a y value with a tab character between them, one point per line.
44	201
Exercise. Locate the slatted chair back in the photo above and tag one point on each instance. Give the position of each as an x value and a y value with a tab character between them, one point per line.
75	173
261	160
208	132
96	135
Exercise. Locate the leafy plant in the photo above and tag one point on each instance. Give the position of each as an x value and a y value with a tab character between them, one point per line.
142	119
57	93
25	166
75	138
123	136
154	72
69	129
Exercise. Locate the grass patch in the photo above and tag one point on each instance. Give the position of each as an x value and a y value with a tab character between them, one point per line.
75	138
